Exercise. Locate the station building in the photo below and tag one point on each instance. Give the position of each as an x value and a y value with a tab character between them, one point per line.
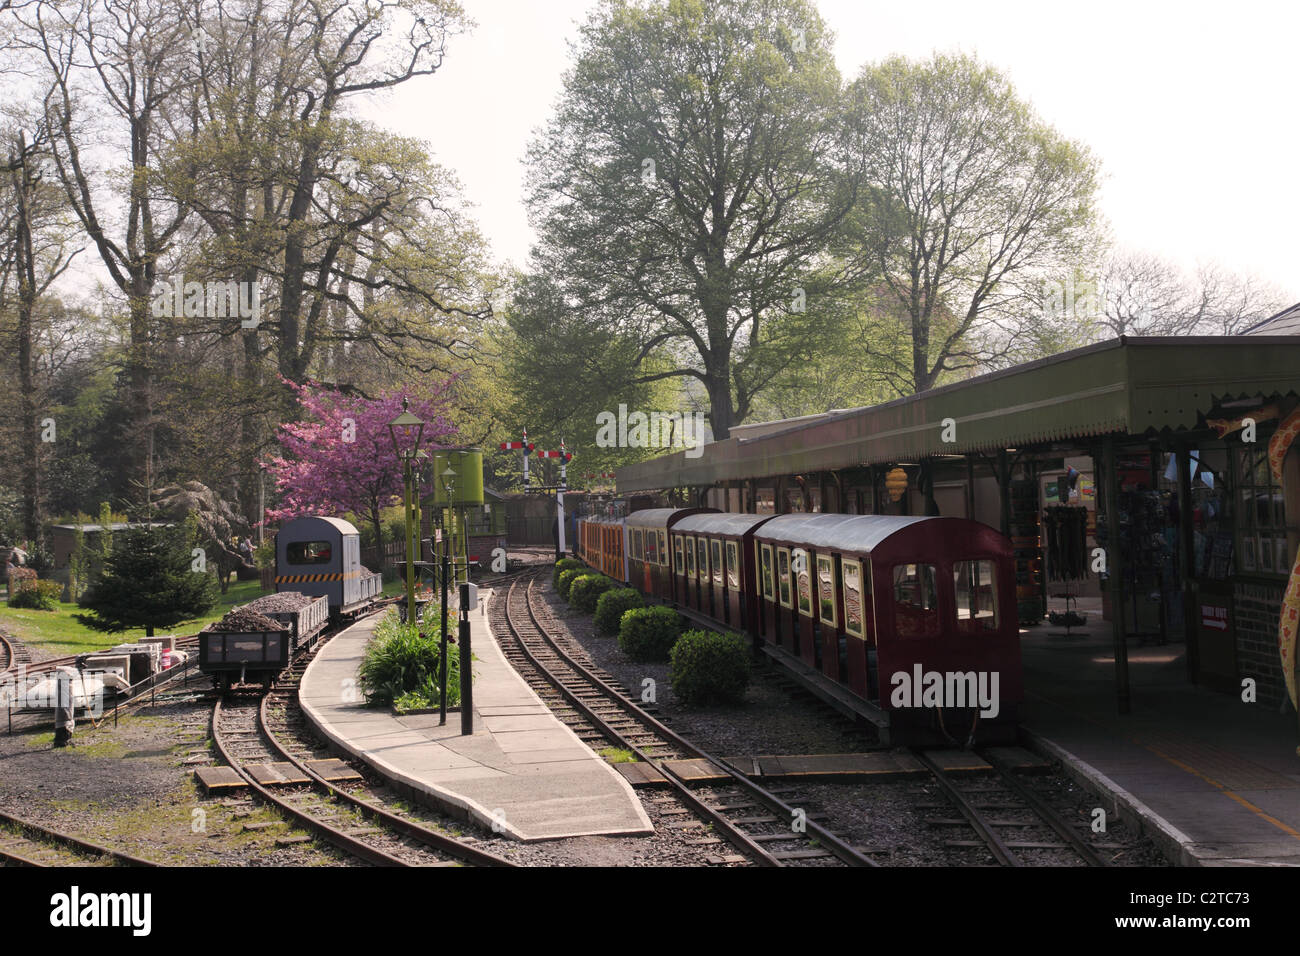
1162	443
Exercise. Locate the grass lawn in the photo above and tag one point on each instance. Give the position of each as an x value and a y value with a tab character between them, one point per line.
58	632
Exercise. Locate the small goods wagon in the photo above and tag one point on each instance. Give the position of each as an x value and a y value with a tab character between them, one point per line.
255	642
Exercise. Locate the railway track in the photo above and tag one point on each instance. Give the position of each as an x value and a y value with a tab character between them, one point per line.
1011	821
15	654
267	729
24	843
764	828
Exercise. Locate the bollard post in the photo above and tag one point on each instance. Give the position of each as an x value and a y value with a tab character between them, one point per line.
467	593
442	649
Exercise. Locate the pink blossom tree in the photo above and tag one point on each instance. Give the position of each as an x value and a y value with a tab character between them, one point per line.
340	457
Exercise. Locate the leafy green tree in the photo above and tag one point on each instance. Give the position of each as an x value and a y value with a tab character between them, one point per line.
974	200
149	582
688	183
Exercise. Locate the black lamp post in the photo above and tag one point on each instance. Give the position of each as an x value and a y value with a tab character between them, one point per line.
411	430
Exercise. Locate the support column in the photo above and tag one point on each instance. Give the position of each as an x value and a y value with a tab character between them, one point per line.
1115	569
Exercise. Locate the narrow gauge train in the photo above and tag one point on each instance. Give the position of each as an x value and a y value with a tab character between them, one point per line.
318	578
913	616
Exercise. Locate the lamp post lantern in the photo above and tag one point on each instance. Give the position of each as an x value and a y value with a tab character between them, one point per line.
410	428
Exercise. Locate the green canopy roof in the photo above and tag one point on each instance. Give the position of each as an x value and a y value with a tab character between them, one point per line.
1129	385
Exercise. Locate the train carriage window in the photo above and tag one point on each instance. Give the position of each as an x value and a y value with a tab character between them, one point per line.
663	547
853	597
765	573
308	552
678	563
637	553
802	581
716	549
733	565
783	575
690	556
916	600
651	547
702	558
826	590
975	584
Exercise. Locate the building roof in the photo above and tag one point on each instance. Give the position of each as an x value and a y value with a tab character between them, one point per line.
1129	385
1286	322
115	526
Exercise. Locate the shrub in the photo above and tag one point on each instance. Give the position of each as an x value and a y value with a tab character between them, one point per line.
612	604
708	667
567	577
562	565
648	633
37	595
586	590
400	665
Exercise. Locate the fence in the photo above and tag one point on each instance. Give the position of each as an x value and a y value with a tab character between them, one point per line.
385	556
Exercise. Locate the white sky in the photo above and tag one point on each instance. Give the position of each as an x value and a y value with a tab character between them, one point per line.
1192	107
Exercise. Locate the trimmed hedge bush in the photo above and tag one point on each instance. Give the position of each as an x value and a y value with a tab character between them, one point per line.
566	579
708	667
587	589
562	565
612	604
37	595
648	633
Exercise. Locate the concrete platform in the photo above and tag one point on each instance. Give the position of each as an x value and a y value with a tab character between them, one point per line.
521	772
1215	781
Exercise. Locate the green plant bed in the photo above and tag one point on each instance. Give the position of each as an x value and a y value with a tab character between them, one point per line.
401	667
708	667
612	605
649	633
586	590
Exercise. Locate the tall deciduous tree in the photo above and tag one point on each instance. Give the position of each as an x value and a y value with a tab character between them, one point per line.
973	200
686	186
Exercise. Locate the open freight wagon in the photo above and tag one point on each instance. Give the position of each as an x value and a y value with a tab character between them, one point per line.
253	643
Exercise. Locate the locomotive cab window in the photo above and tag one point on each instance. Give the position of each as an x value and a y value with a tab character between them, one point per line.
916	600
975	584
678	564
826	590
733	565
716	548
308	552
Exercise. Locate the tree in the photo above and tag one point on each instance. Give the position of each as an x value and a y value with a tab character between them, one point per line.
340	458
150	582
216	523
688	183
973	200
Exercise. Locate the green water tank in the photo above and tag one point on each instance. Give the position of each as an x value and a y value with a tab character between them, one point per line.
467	479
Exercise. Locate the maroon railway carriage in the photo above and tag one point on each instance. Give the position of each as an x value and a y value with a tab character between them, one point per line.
649	567
722	586
880	602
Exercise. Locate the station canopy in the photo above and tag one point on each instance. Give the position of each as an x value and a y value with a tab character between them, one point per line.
1131	385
